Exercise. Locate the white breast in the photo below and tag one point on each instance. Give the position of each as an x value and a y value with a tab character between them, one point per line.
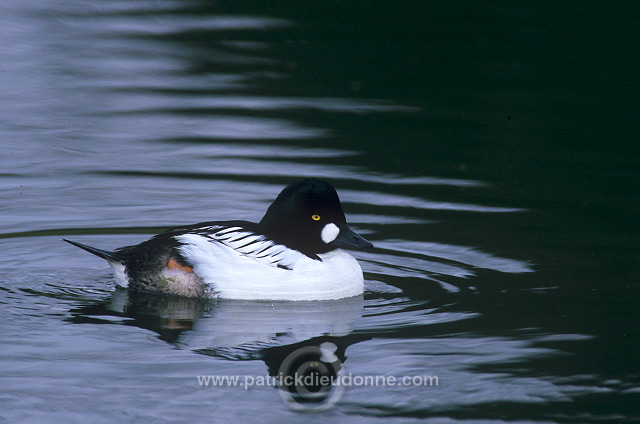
256	268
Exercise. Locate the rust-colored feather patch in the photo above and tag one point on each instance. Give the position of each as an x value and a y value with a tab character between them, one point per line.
173	264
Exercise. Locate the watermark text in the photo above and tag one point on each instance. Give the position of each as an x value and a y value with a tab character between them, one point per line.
346	380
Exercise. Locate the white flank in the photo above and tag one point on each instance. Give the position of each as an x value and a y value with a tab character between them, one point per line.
238	264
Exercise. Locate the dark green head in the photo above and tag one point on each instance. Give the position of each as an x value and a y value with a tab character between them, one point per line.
307	216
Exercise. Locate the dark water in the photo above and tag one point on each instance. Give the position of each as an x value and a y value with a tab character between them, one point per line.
488	149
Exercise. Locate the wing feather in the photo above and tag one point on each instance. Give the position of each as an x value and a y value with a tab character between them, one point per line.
248	243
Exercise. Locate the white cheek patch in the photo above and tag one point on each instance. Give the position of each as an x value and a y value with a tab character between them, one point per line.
329	232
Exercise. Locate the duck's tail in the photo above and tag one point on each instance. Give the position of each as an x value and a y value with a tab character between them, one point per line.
104	254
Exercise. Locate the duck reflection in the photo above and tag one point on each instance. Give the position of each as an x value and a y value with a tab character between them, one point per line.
302	344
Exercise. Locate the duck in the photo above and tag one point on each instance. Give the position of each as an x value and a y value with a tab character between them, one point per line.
294	253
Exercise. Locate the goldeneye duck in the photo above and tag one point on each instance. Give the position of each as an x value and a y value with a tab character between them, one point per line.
293	253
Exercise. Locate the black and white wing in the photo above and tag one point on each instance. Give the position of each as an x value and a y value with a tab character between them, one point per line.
245	242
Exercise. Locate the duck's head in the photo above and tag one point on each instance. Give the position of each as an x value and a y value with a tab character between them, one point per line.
307	216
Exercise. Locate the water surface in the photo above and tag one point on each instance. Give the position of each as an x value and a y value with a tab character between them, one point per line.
488	150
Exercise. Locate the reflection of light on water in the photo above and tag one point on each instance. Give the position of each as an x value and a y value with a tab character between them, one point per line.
245	323
459	260
159	102
490	373
390	264
429	261
382	314
170	24
386	199
461	254
211	127
387	219
220	161
404	319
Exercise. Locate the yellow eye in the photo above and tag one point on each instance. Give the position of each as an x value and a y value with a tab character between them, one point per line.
315	217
